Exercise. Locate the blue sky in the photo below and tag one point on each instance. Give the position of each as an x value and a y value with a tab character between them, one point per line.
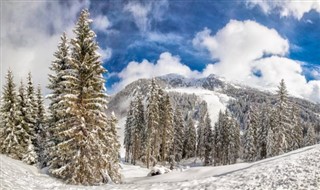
194	36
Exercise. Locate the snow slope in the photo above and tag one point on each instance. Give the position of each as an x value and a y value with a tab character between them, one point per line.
298	169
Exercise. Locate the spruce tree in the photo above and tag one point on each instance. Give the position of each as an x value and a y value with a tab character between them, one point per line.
41	126
179	133
208	141
139	129
57	115
310	138
282	128
264	124
201	137
153	140
218	139
82	154
190	142
234	143
297	131
128	132
166	129
14	136
272	149
30	156
250	136
31	111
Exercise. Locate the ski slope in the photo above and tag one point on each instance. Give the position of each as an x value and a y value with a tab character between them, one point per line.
298	169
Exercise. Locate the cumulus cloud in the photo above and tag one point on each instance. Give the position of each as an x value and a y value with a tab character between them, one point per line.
30	32
243	48
286	7
166	64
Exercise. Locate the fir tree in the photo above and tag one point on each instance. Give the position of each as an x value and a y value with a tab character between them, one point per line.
40	125
310	138
190	142
272	149
234	143
57	108
201	137
179	130
128	132
282	127
139	129
167	132
218	139
153	139
208	141
30	156
264	124
297	131
31	111
14	136
250	137
82	155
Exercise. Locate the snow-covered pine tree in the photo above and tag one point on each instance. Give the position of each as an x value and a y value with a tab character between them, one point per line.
297	131
226	140
136	125
234	142
310	138
179	130
128	132
282	127
30	156
113	151
208	141
218	139
250	136
85	135
271	136
13	131
153	138
140	126
31	111
40	125
167	131
190	142
57	115
201	137
262	131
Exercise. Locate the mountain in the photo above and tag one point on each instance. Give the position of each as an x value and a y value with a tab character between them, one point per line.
211	93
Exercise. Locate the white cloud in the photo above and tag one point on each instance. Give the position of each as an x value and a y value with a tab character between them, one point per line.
105	53
241	48
30	33
287	7
166	64
101	23
144	13
140	14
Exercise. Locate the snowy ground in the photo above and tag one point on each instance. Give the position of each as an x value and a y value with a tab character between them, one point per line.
299	169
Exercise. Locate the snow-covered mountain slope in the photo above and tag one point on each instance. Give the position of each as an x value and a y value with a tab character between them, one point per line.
299	169
217	93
